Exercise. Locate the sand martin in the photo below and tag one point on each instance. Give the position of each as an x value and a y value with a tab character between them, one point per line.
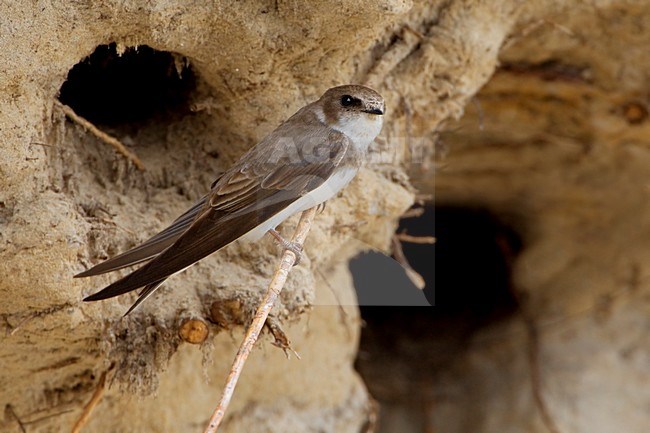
304	162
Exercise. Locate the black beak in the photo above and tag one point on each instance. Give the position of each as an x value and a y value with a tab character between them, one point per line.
374	111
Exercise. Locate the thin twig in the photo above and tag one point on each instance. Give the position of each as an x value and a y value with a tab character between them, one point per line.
403	237
422	199
43	418
531	27
106	138
20	324
398	253
37	143
536	376
9	408
33	315
413	213
342	313
253	331
94	401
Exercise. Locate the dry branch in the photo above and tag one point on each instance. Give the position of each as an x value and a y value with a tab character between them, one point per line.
106	138
94	401
403	237
398	253
253	331
413	213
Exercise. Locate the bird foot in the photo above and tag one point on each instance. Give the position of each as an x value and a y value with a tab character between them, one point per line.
294	247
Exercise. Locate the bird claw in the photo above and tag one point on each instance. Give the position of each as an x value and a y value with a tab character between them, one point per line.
294	247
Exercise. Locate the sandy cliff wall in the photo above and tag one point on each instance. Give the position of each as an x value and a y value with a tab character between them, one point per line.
557	148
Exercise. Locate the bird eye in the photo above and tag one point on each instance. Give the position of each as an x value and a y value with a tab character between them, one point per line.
349	101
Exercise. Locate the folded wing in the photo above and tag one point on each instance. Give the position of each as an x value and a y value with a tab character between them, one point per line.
244	197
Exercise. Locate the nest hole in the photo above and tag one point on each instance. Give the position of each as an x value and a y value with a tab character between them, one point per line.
146	99
467	276
122	89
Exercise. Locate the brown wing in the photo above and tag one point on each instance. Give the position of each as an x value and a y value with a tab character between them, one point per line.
244	197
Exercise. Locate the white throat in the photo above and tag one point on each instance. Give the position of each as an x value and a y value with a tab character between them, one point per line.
362	130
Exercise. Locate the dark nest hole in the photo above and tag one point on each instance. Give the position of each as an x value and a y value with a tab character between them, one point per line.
404	346
124	90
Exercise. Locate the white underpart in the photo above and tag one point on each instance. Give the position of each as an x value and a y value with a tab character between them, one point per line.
362	130
327	190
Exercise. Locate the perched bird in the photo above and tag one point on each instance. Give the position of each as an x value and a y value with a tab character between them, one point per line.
304	162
